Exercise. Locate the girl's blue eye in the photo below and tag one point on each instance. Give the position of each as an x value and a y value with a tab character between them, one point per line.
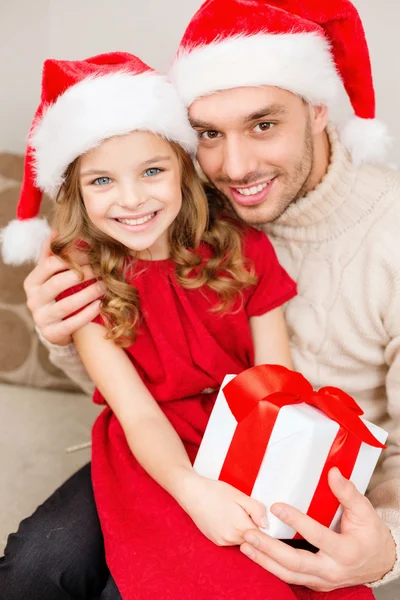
151	172
102	181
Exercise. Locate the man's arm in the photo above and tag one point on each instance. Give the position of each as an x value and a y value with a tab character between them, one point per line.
367	549
67	359
384	492
55	321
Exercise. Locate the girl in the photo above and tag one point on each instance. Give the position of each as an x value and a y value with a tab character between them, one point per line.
191	295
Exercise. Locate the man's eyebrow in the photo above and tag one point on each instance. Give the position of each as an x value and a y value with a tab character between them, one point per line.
272	110
201	124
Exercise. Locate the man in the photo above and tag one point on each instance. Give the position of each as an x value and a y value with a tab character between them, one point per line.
259	79
266	144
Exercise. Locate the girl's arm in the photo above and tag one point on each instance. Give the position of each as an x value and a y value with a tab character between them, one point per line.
151	437
220	511
270	339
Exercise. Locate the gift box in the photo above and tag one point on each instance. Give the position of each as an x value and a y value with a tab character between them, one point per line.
273	437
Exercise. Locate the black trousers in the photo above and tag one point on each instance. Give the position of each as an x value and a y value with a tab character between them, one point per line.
58	552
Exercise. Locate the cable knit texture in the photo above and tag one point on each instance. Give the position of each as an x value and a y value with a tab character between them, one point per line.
341	245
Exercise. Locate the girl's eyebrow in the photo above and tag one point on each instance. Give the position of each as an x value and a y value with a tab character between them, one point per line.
95	172
155	159
106	173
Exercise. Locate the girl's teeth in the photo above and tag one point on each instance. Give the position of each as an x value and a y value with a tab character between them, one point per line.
253	190
136	221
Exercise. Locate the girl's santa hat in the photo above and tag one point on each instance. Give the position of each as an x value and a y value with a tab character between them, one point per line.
83	103
308	47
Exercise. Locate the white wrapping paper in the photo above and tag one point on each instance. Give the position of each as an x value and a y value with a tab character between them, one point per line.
295	456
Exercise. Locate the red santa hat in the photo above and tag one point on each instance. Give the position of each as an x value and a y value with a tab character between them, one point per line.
83	103
308	47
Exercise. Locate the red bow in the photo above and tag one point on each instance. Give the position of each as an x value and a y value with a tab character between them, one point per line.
255	398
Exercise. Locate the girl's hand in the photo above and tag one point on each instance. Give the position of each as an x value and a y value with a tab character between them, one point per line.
220	511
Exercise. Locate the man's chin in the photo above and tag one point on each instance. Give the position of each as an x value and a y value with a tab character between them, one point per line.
257	215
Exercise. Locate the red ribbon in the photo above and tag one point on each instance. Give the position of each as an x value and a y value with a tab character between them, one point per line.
255	398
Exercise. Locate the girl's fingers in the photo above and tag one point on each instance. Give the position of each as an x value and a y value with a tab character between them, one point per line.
256	510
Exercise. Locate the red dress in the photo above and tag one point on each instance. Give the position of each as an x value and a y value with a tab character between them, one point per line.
182	352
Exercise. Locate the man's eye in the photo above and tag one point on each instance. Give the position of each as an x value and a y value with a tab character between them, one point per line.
209	135
102	181
151	172
265	126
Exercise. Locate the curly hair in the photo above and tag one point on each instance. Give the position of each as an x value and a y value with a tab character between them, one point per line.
205	217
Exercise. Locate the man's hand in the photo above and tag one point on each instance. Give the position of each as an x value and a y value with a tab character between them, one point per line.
363	552
49	278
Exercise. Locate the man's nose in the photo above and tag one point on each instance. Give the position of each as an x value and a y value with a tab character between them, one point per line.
238	159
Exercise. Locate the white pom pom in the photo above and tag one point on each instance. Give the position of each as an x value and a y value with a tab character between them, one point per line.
22	241
367	140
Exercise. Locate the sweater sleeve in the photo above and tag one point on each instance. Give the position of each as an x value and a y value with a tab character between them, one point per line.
68	360
385	495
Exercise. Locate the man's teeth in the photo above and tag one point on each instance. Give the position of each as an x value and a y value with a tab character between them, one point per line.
137	221
252	190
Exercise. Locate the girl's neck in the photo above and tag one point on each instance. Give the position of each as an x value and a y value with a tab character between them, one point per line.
158	251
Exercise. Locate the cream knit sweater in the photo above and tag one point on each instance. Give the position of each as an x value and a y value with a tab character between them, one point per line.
341	243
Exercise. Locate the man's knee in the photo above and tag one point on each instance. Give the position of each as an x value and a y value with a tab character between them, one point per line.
60	547
26	570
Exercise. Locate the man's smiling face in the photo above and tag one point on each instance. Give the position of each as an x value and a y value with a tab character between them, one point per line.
257	147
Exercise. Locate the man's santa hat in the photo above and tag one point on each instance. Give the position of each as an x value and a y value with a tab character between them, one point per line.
309	47
83	103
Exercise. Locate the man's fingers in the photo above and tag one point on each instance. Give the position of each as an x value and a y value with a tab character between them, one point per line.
49	265
45	251
66	328
277	569
293	559
48	291
348	495
51	313
78	256
67	306
316	534
43	271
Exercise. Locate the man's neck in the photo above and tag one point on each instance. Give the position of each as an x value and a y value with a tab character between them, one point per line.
322	158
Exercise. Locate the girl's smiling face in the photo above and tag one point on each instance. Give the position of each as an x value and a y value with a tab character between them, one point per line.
131	188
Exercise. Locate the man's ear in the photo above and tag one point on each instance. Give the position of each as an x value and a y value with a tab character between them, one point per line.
319	118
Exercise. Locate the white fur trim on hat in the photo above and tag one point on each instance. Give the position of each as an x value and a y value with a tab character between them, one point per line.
367	140
22	241
298	62
101	107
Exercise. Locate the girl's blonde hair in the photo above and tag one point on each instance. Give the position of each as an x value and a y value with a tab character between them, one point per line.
201	219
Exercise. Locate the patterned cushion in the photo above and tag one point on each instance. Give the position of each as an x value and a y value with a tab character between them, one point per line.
23	359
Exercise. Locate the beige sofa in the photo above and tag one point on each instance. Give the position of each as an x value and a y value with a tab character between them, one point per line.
41	413
36	429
